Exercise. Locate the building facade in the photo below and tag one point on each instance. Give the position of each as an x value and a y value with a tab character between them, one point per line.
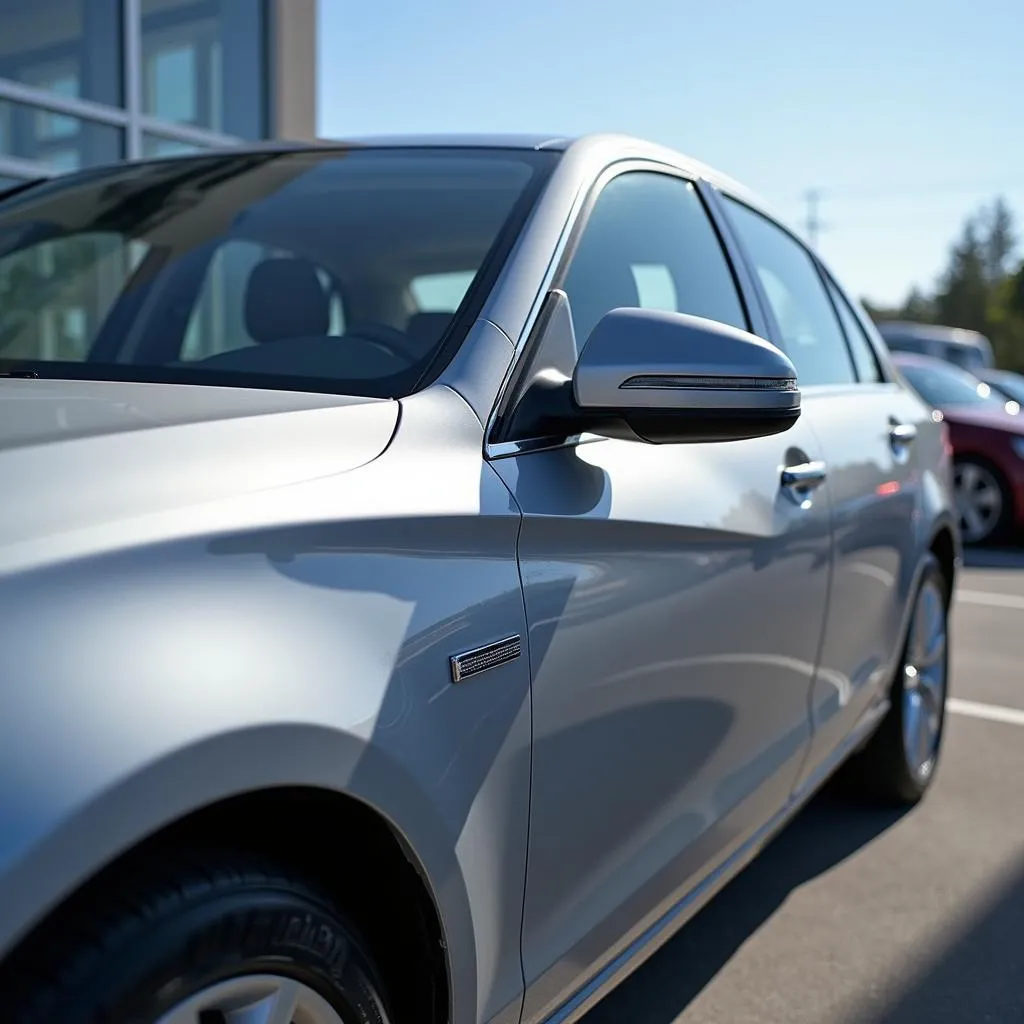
87	82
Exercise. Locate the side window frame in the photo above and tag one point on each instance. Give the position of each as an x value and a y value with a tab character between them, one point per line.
774	334
759	311
748	298
667	171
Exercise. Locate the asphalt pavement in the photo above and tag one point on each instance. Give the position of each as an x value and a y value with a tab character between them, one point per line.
859	916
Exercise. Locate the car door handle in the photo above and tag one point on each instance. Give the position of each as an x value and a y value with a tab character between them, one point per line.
902	433
806	476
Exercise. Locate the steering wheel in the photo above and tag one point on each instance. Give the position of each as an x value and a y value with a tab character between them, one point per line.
389	340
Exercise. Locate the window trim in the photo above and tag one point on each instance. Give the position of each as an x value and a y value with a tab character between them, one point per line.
572	232
758	311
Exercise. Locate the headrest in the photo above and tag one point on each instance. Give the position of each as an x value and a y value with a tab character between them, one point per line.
425	330
284	299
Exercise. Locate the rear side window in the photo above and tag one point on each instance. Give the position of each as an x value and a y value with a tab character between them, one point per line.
648	243
811	334
863	353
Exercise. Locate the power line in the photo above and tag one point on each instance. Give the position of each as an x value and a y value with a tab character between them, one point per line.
899	190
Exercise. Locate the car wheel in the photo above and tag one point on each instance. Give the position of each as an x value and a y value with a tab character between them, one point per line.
223	941
899	761
983	501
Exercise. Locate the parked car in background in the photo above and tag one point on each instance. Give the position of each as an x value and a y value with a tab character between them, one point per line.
968	349
429	570
1009	384
988	447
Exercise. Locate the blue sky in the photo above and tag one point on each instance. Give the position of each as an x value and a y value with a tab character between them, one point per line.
906	114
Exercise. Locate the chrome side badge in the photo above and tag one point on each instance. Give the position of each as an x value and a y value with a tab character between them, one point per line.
480	659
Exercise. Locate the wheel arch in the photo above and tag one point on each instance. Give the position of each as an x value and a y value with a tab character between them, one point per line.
66	867
945	547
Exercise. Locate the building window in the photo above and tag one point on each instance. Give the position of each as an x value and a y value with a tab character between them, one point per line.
203	64
72	47
56	141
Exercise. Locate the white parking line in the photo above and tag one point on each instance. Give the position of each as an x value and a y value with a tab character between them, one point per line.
990	598
990	712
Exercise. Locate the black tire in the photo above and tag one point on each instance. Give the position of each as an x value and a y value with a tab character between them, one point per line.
1000	526
882	771
144	943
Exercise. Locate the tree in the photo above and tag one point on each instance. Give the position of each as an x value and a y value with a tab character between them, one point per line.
962	299
999	240
917	307
981	288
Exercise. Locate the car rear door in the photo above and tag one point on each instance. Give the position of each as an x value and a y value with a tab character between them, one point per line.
675	596
867	426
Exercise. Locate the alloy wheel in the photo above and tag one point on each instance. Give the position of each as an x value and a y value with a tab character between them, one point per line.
925	674
254	999
979	501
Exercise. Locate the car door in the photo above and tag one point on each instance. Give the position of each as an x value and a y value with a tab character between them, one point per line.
675	597
867	426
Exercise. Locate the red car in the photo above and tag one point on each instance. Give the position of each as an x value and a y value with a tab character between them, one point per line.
987	436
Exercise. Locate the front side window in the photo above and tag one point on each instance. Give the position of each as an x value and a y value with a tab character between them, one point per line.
648	243
339	271
811	334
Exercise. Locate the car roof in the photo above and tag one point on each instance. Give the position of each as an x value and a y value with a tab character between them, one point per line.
598	146
918	359
930	332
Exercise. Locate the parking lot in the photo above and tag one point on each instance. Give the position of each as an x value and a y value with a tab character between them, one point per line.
860	916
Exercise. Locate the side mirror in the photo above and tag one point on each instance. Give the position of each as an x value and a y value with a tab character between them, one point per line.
671	378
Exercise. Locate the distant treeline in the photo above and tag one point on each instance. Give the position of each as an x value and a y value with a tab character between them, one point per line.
982	287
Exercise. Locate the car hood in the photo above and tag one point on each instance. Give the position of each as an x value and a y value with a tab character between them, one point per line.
981	416
76	455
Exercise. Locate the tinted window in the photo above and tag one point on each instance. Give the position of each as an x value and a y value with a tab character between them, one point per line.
941	385
811	334
898	343
648	242
338	271
861	349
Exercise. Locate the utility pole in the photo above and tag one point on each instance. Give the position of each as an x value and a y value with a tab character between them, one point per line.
813	223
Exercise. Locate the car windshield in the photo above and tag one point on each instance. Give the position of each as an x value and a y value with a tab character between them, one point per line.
941	386
351	270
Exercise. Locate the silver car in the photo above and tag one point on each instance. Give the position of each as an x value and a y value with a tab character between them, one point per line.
429	570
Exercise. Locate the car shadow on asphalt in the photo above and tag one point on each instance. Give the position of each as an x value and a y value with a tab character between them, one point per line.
978	976
830	829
